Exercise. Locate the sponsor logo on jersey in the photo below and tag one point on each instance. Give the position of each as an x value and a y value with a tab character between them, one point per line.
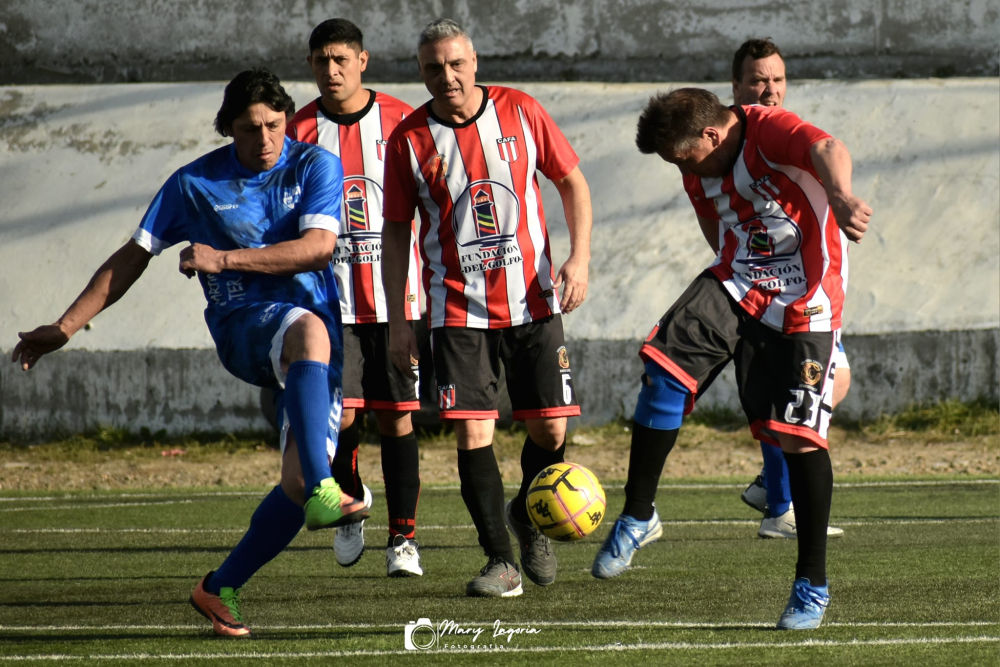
812	372
357	208
768	256
814	310
485	224
360	244
508	148
225	207
486	219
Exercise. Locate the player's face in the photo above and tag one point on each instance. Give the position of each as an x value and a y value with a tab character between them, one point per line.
259	135
448	68
701	158
762	82
337	69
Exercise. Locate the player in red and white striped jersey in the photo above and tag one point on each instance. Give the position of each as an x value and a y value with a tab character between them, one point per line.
759	78
354	123
777	193
466	161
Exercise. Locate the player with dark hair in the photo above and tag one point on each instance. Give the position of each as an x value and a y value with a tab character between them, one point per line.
260	216
354	123
777	194
759	78
759	73
467	160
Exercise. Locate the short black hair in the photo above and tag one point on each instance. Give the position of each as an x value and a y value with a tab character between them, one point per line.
672	120
756	49
250	87
336	31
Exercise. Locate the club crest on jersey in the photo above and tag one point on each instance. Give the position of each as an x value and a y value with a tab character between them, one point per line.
812	372
380	145
291	197
508	148
446	397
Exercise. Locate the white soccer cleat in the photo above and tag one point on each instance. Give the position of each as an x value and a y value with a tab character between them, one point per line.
402	558
783	526
349	540
755	495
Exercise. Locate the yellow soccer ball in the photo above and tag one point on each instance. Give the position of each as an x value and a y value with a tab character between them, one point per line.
566	502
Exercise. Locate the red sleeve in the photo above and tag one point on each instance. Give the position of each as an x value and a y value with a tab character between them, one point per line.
556	157
783	137
400	188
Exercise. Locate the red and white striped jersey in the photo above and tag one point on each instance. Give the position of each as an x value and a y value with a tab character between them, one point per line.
782	256
359	140
482	238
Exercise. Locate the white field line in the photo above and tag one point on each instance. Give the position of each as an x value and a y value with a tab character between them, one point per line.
677	625
503	648
431	488
469	526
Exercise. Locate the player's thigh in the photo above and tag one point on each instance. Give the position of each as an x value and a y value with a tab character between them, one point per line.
354	364
786	382
383	386
249	341
538	370
467	370
698	335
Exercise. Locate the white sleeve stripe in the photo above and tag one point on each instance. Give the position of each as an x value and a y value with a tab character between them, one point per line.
147	241
319	221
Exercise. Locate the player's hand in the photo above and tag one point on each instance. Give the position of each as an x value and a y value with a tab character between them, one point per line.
572	277
403	349
200	257
852	215
34	344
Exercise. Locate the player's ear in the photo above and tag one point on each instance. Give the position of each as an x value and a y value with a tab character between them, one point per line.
363	57
712	134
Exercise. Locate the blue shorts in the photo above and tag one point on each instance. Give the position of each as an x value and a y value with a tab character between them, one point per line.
249	342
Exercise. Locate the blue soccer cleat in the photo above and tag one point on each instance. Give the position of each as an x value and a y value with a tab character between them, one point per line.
626	536
805	607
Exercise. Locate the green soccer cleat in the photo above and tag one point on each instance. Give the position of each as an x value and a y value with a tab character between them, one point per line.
328	506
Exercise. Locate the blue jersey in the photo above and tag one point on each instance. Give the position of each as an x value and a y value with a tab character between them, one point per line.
218	202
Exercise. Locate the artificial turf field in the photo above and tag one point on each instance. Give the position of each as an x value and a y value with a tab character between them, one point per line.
105	577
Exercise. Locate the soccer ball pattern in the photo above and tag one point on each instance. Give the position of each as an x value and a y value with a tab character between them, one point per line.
566	502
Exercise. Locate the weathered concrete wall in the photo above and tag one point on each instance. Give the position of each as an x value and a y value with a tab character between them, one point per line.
611	40
188	391
79	164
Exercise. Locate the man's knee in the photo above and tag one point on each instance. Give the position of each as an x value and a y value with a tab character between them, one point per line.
662	400
306	339
548	433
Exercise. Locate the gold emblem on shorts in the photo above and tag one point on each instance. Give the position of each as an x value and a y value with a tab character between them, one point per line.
812	372
563	357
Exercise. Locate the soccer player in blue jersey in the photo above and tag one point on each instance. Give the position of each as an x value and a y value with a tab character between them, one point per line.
259	216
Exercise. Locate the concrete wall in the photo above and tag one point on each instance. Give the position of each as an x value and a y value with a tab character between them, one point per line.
61	41
187	391
79	163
